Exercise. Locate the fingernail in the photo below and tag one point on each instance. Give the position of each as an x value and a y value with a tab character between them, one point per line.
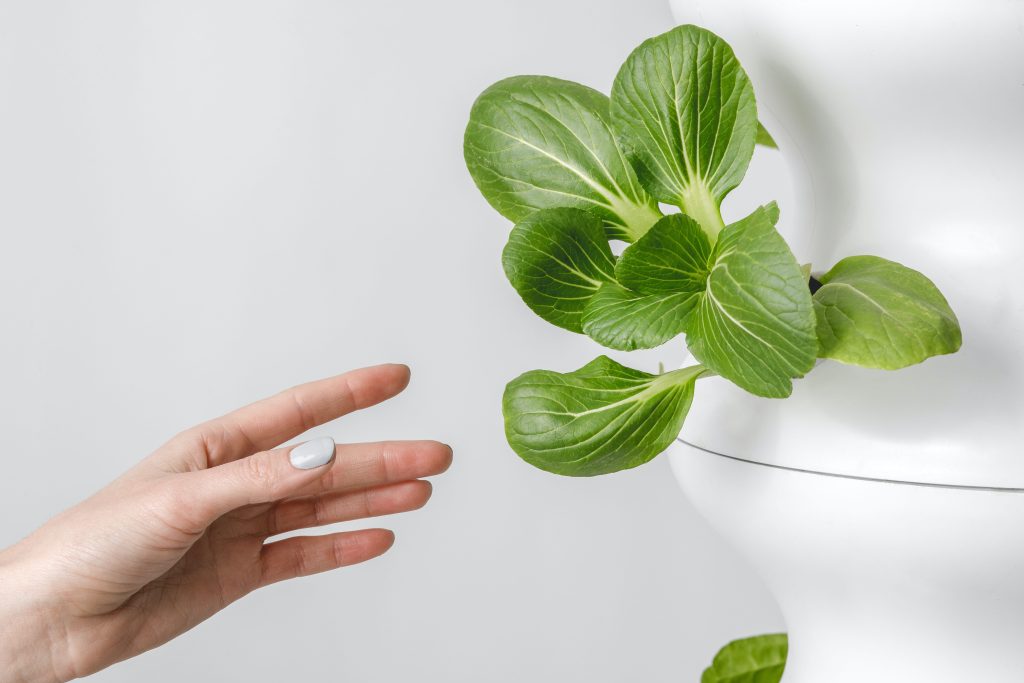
312	454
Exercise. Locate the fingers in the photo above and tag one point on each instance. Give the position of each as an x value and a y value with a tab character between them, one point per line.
362	465
305	555
267	423
270	476
329	508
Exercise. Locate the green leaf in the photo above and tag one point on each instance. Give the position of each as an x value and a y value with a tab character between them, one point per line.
880	314
764	138
557	259
601	418
671	258
535	142
760	659
622	319
755	323
659	278
686	117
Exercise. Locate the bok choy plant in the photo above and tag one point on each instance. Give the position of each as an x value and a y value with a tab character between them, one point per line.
575	169
760	659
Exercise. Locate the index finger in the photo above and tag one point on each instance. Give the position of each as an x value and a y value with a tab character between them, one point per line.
265	424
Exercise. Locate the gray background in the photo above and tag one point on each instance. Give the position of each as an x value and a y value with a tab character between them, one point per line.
204	202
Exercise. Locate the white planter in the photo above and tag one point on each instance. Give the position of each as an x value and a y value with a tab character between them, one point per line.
878	582
903	126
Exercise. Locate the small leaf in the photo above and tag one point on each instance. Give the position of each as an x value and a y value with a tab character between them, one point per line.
671	258
880	314
764	138
685	114
625	320
755	323
557	259
659	278
760	659
535	142
601	418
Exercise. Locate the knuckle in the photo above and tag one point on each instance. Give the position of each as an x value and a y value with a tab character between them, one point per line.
306	417
366	504
338	552
302	560
175	506
192	440
389	452
258	472
320	514
275	520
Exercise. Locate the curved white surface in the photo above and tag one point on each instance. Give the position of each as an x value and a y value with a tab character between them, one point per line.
878	582
902	123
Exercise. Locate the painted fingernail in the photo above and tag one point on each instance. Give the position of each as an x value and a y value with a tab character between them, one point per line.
312	454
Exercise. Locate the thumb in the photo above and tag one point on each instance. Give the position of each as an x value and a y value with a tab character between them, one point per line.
264	477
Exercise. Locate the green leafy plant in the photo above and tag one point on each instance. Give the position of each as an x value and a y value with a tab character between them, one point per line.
576	170
760	659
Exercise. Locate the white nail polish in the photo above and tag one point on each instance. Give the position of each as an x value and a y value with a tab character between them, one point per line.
312	454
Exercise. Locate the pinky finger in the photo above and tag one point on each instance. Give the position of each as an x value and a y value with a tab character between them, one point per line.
305	555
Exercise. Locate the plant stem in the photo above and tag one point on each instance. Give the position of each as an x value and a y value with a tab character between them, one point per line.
698	203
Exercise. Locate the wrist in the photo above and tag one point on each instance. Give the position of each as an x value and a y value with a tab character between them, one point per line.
31	647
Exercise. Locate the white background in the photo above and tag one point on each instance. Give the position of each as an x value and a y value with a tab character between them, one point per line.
204	202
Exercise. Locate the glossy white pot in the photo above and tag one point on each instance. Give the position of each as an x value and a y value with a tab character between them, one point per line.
903	125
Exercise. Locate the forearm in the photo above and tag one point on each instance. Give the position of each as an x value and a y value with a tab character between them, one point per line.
30	650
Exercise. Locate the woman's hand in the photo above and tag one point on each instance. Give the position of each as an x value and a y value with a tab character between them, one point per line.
183	534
